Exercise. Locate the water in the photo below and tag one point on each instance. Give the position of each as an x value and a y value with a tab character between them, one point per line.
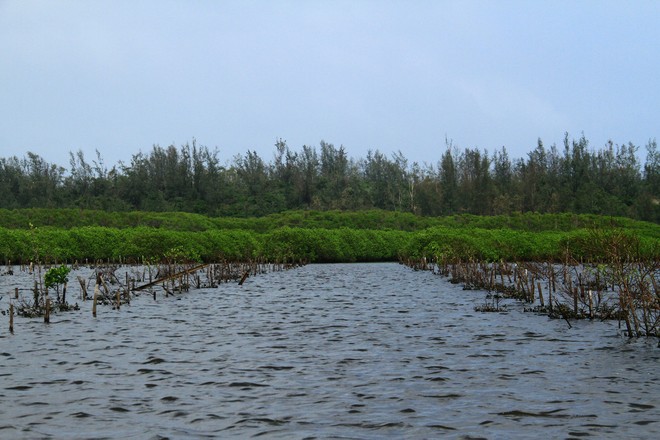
360	351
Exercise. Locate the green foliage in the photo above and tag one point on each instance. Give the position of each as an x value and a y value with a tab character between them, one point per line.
333	245
369	219
611	181
56	276
316	236
505	244
597	245
179	254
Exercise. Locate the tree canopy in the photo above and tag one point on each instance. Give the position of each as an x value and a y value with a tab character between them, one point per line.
576	178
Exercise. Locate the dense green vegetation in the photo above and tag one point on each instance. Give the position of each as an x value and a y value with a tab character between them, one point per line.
53	235
576	178
508	245
136	244
369	219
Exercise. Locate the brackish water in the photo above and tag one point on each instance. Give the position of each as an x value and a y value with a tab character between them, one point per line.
359	351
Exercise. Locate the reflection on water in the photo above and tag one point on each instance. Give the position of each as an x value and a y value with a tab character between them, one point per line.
364	351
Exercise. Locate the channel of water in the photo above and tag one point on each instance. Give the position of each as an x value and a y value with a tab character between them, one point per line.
351	351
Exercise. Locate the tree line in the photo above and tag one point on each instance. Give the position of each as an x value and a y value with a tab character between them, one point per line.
576	178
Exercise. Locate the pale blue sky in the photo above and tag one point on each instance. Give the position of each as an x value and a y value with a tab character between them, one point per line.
121	76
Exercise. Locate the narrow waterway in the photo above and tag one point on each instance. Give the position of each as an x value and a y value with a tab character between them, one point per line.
351	351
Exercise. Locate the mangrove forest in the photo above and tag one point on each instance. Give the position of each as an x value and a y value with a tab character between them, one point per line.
573	234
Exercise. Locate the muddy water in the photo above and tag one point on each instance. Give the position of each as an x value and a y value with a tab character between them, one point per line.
365	351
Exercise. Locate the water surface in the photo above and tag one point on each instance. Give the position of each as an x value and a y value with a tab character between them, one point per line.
351	351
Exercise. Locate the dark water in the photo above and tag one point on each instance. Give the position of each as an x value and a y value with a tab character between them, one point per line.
365	351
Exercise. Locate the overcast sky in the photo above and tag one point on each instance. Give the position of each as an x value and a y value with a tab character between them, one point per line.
121	76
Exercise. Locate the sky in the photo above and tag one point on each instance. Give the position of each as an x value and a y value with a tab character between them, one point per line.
122	76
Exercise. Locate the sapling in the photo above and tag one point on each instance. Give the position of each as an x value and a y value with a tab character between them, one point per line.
56	276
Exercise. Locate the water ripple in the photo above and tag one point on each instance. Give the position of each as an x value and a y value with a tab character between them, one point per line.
366	351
